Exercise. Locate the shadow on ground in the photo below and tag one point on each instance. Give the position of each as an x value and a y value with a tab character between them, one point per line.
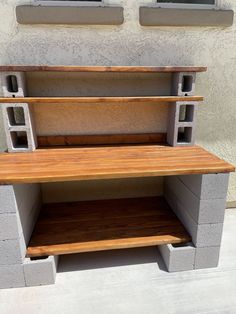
113	258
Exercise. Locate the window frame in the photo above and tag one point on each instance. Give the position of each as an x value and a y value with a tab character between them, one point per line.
69	3
187	5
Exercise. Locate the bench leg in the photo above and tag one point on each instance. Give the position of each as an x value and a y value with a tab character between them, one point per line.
178	257
19	209
199	202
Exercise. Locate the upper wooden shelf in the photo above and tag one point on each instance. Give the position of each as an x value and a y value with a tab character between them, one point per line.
57	100
71	164
128	69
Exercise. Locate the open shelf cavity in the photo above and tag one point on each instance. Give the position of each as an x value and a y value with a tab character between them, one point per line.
87	226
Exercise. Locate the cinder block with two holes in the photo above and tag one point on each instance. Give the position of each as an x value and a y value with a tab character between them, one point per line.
17	117
19	127
185	223
178	257
40	271
182	124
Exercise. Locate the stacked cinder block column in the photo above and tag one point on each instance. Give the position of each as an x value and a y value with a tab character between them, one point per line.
17	117
199	202
182	115
19	209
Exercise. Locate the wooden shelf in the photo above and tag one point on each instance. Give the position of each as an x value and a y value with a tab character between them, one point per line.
129	99
104	225
128	69
72	164
100	139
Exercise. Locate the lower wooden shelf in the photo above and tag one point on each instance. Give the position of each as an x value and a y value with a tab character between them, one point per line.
86	226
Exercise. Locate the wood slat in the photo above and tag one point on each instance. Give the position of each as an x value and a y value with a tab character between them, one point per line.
70	68
129	99
104	225
77	140
71	164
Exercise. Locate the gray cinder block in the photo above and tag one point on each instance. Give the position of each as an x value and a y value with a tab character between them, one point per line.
202	234
13	84
183	84
19	217
28	198
207	257
25	118
26	227
26	195
13	129
41	271
182	124
201	210
207	235
7	199
12	251
9	228
207	186
178	257
11	276
16	224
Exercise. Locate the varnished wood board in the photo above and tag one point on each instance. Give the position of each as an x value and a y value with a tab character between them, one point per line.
71	68
100	139
72	164
128	99
104	225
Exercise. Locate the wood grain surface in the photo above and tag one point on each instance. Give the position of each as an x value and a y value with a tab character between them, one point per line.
104	225
71	68
100	139
72	164
76	100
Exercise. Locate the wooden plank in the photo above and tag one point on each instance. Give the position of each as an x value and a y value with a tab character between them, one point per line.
71	164
102	139
135	99
129	69
104	225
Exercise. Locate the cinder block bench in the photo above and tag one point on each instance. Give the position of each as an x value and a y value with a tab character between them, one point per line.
185	223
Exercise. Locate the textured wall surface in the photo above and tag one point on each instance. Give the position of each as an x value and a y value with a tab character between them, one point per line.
131	44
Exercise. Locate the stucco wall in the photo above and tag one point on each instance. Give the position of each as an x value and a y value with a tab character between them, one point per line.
131	44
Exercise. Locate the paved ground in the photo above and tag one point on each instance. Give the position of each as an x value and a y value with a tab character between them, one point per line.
132	281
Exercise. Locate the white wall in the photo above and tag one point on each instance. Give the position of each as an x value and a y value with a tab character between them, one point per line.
131	44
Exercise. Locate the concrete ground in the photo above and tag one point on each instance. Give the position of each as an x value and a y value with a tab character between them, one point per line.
132	281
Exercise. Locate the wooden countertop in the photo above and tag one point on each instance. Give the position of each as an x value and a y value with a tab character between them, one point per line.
72	164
